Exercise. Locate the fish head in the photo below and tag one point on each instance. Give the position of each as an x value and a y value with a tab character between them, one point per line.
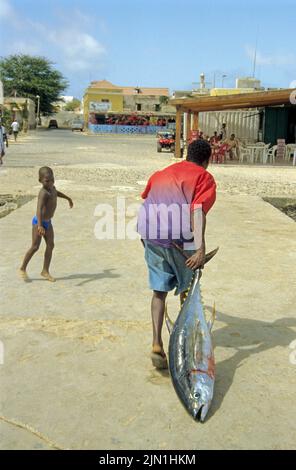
202	390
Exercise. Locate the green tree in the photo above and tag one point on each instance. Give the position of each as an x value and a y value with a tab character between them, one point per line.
163	99
73	105
28	76
7	118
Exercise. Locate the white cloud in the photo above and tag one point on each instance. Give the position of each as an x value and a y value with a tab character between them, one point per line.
8	14
73	48
79	49
6	10
83	18
271	60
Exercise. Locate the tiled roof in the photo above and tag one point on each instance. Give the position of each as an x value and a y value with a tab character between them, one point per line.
104	84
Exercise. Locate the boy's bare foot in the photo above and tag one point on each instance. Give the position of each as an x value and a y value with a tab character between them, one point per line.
158	357
23	274
47	276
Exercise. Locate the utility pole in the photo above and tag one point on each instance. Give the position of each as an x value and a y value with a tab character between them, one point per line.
38	110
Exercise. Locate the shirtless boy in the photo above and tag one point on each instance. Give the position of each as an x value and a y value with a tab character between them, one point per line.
41	223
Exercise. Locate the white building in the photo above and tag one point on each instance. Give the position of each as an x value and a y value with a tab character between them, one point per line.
67	99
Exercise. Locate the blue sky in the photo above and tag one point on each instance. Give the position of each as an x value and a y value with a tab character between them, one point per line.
157	43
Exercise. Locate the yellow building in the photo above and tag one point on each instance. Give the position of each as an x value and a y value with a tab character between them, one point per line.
230	91
102	97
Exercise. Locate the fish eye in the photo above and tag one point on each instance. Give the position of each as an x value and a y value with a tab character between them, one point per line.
196	395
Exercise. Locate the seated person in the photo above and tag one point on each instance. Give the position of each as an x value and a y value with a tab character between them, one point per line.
233	147
214	139
219	152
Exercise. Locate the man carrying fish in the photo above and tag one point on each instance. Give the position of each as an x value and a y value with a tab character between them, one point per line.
173	216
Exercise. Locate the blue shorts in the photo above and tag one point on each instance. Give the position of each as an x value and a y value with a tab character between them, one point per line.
167	268
45	223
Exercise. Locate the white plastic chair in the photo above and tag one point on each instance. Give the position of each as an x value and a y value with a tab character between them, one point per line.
289	151
245	153
270	155
263	152
258	154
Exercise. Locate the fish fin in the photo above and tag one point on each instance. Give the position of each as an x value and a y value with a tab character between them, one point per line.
183	297
168	321
211	321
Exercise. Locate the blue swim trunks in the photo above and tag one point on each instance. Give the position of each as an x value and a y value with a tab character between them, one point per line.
45	223
167	269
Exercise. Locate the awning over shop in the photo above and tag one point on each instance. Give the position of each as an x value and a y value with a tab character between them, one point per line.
192	106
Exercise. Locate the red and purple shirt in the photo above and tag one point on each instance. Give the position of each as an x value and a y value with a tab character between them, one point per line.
170	197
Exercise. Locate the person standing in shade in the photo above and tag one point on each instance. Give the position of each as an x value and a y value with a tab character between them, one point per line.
15	129
4	134
223	132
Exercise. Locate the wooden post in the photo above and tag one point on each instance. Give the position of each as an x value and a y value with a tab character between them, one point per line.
178	133
195	122
188	127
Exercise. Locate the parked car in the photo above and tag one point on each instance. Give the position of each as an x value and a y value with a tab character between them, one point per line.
77	125
53	124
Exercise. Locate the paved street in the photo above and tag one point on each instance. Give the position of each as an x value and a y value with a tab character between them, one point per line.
63	147
77	372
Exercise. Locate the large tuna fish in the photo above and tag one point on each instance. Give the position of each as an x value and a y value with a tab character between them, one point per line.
191	355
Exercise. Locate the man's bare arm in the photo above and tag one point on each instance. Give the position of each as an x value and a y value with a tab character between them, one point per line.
199	228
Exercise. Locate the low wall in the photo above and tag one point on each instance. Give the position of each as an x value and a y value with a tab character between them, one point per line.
63	118
117	129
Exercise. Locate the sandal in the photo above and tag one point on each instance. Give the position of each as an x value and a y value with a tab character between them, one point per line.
159	361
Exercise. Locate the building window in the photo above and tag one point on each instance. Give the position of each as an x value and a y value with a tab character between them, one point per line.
104	101
157	107
139	107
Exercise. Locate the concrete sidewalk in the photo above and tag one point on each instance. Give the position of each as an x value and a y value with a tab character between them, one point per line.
76	366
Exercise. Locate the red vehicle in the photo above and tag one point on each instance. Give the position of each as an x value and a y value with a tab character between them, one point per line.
166	140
